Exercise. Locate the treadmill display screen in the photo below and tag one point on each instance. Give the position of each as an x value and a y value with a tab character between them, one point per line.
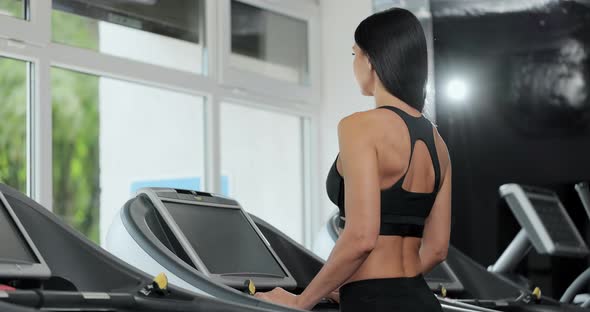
224	240
555	221
13	246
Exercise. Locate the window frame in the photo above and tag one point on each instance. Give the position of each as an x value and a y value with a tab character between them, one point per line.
30	40
33	30
244	80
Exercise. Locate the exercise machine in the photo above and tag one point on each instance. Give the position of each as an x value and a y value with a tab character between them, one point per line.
208	244
572	292
47	265
546	226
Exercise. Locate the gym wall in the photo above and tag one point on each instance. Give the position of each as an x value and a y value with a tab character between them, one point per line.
523	116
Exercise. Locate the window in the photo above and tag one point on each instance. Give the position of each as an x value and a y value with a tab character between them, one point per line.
269	43
165	33
109	96
13	127
14	8
111	137
262	157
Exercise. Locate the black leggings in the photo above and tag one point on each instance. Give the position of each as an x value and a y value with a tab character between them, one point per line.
388	294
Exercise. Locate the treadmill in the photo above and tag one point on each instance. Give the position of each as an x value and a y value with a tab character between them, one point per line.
208	244
572	294
546	226
18	256
46	265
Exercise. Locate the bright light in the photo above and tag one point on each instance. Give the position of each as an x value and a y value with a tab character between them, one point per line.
457	90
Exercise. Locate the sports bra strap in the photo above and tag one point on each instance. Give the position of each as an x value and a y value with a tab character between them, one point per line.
418	131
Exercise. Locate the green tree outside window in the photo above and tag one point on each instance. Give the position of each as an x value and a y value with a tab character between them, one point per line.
75	98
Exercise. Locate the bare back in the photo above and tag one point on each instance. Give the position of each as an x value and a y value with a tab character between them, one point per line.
397	256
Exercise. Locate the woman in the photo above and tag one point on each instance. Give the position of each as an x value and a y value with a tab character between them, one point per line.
391	181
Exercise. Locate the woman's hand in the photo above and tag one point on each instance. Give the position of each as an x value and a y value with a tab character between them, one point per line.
279	296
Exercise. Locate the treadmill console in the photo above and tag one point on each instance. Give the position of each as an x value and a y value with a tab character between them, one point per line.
546	222
218	238
19	258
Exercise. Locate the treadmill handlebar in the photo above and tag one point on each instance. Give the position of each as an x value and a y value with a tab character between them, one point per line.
576	286
583	190
68	299
518	249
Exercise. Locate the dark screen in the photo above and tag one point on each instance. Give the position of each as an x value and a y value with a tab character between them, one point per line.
13	247
555	221
224	239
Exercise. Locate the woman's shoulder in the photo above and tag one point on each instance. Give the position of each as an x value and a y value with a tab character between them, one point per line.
369	120
363	125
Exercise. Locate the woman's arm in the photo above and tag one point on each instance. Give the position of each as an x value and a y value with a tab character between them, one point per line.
358	156
334	296
437	228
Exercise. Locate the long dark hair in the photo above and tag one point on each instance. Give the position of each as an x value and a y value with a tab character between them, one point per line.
395	44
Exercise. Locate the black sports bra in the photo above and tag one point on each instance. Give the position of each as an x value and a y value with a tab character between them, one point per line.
402	212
